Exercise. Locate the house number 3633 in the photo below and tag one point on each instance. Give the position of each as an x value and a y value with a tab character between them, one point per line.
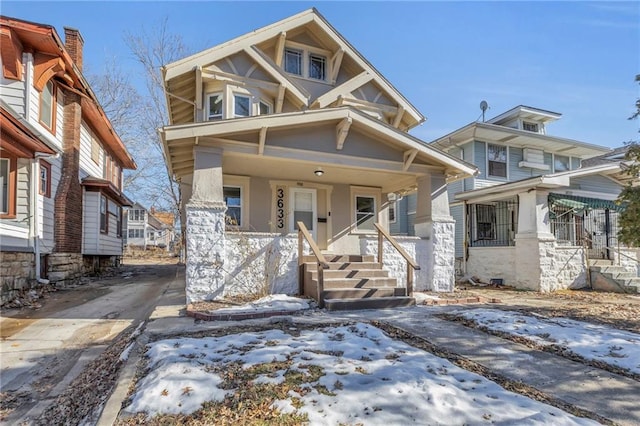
280	208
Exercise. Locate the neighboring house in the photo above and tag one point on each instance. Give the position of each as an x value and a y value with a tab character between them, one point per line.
536	209
60	162
147	229
290	123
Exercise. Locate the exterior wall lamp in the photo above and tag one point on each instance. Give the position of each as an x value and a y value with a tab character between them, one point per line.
319	172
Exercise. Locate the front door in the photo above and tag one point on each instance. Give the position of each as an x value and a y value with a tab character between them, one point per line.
303	207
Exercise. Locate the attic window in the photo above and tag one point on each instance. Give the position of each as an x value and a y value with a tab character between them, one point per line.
293	61
214	108
317	67
530	127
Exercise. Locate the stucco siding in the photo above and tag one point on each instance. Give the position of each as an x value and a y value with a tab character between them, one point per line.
261	203
399	227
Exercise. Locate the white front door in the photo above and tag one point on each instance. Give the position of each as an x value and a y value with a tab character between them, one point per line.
303	207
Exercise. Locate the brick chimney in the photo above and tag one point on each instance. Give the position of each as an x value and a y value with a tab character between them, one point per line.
74	43
68	200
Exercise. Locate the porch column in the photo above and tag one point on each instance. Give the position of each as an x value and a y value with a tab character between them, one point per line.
535	244
435	224
205	224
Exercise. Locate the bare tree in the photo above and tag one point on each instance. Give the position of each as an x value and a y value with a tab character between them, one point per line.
152	50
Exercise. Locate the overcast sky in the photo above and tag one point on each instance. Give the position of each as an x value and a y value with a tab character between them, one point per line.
576	58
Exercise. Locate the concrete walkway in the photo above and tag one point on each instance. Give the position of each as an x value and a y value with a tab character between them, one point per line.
608	395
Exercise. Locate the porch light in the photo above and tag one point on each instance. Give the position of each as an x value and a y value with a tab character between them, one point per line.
319	172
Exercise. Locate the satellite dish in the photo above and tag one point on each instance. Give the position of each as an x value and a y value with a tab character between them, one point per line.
484	106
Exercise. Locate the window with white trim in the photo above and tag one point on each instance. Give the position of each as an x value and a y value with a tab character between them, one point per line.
365	207
48	106
496	161
392	211
293	61
214	106
530	127
104	218
241	106
233	198
264	108
8	187
561	163
317	67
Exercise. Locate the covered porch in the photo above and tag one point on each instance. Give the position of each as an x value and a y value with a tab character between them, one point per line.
248	182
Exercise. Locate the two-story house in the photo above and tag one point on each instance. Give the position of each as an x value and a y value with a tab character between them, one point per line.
61	162
287	125
534	214
149	229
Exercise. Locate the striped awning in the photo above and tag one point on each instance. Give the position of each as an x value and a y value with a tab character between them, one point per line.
580	204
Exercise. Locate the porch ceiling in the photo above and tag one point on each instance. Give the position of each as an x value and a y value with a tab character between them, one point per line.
251	137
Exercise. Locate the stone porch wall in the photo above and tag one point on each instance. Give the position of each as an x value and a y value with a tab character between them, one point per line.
486	263
416	247
630	261
17	274
260	263
570	267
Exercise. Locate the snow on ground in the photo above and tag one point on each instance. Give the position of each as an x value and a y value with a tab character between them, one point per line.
369	378
273	302
591	341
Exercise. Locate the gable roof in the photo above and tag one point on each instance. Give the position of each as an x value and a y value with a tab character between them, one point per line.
18	35
310	17
526	112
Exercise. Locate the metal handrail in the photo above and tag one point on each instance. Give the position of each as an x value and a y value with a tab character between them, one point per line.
303	234
411	264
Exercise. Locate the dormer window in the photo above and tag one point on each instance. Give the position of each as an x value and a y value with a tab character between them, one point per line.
530	127
264	108
293	61
306	62
317	67
214	108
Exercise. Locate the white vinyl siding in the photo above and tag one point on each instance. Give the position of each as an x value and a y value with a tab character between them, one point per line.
88	167
46	208
94	242
23	206
13	94
34	112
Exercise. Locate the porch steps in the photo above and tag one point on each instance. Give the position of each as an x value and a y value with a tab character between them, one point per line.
354	282
614	278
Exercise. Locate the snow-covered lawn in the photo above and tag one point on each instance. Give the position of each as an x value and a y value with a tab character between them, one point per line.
340	375
593	342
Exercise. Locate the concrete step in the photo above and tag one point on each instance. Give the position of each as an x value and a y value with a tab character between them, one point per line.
610	269
362	293
346	265
349	273
340	258
600	262
369	303
368	282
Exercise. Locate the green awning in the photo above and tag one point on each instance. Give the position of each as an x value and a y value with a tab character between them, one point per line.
580	204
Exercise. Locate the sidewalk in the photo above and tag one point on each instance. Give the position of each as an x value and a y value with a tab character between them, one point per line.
609	395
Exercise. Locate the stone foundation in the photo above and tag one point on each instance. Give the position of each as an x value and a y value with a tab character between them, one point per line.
17	274
65	268
93	264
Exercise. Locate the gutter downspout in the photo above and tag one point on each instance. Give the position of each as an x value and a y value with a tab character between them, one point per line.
35	222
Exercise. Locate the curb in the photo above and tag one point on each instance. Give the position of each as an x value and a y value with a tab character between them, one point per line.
460	301
203	316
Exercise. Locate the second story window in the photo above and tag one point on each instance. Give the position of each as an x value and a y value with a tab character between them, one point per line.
293	61
264	108
48	105
317	67
497	161
241	106
214	106
560	163
136	215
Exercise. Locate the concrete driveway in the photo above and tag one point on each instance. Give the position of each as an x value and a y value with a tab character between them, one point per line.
43	350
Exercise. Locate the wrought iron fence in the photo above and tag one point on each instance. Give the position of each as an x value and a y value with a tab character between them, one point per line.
492	224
